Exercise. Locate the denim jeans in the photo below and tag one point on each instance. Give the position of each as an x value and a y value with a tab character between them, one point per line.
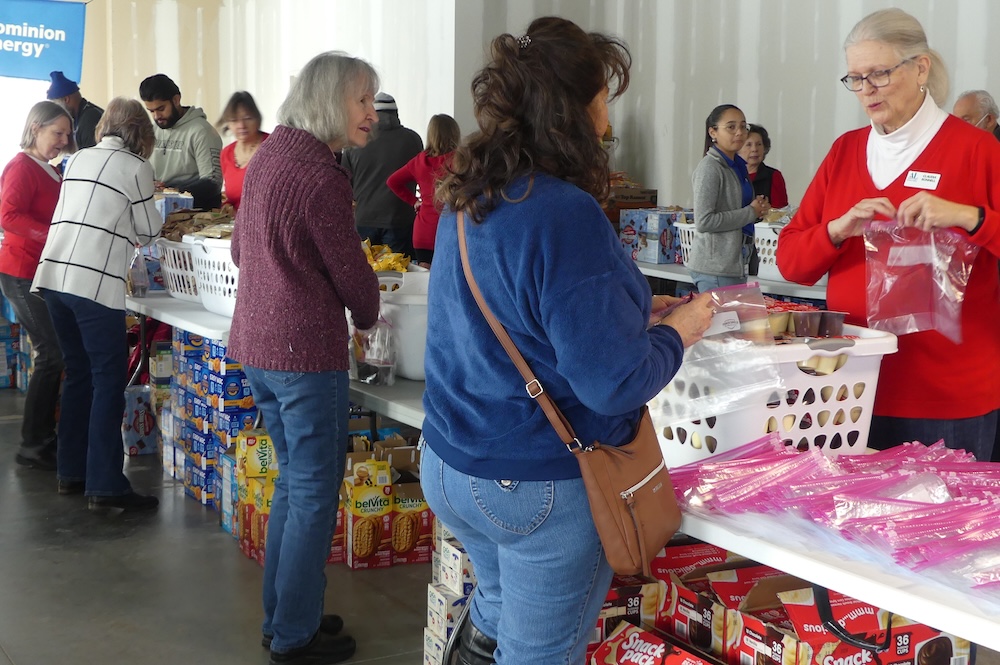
704	282
38	429
306	415
976	435
95	350
541	572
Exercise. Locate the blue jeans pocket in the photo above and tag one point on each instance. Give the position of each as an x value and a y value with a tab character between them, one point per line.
516	506
282	378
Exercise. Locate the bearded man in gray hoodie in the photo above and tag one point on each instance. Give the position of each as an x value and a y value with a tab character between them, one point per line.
186	153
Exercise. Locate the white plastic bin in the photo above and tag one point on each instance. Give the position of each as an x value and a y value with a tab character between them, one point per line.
217	275
765	238
177	266
831	411
404	306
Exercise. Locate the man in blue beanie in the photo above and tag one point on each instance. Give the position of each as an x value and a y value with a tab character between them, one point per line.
85	114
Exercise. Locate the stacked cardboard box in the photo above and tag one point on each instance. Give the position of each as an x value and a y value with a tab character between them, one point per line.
649	235
25	360
10	352
452	580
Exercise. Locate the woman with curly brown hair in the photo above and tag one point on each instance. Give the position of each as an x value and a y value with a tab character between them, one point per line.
553	272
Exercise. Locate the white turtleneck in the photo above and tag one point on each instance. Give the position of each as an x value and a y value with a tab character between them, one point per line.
891	154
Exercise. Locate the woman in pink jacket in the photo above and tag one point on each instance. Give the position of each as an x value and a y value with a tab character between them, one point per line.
425	170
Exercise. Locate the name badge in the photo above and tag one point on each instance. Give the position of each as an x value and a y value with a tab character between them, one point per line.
922	180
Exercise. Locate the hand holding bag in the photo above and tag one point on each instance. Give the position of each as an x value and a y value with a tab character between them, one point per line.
631	497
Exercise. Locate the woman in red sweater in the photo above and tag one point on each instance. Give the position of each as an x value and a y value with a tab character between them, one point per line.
242	118
425	170
932	388
29	192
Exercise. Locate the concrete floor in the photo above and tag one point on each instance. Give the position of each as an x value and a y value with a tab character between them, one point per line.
167	587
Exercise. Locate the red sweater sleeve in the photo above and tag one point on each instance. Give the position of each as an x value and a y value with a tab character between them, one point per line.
19	202
779	194
401	182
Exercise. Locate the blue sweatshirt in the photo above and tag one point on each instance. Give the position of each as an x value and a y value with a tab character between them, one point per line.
555	275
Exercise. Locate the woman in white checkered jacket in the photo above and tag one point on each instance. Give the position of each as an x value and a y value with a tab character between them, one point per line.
105	208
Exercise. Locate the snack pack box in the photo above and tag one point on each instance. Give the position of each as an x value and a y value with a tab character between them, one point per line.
457	573
691	613
732	586
907	642
368	504
758	630
255	453
444	607
632	645
631	598
412	525
683	554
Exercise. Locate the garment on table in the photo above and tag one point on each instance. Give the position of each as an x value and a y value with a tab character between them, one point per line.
105	208
232	174
390	147
929	377
425	171
29	192
719	217
555	275
304	261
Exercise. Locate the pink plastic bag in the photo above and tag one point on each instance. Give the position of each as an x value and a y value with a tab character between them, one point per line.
917	279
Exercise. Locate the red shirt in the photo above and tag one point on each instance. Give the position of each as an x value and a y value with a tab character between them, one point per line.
779	193
425	171
929	377
232	175
28	197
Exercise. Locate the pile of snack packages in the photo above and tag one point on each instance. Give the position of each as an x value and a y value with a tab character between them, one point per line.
931	509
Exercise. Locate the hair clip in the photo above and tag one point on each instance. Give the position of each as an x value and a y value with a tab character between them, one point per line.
523	41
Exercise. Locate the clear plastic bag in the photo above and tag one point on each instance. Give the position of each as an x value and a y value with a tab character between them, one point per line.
373	355
137	280
732	367
917	279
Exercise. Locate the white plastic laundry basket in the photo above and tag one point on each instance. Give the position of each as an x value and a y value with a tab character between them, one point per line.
216	273
685	231
765	238
177	267
404	306
831	411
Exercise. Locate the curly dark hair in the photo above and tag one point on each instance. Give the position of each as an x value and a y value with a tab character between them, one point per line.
532	105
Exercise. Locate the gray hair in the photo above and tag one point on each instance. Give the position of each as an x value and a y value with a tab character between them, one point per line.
907	38
127	119
317	102
984	101
42	115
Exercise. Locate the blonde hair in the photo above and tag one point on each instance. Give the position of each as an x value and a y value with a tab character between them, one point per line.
907	38
443	135
128	120
42	115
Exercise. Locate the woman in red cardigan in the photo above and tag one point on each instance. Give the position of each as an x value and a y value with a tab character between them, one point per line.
425	170
932	388
29	191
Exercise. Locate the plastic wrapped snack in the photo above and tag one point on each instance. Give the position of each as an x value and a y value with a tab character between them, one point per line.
373	355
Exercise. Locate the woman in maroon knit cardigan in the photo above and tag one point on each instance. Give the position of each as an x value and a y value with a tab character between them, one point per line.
301	264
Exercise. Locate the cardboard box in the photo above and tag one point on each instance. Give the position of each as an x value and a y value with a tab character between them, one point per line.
188	344
170	202
368	503
199	484
227	425
444	607
140	435
633	196
161	362
441	534
649	235
631	598
202	448
433	648
262	492
255	453
168	458
634	645
9	330
412	525
229	392
338	548
390	443
731	586
457	573
227	494
683	554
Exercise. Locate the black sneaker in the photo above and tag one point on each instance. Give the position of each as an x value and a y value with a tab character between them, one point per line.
40	463
331	624
130	502
323	650
72	486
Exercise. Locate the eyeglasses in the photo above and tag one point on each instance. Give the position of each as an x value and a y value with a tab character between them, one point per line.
876	79
246	120
976	124
733	127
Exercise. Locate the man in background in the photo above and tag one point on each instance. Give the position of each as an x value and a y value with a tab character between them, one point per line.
382	216
186	153
85	114
978	108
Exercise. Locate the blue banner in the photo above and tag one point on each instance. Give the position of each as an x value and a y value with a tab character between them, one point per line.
40	36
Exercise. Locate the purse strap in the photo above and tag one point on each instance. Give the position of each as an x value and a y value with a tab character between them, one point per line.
531	383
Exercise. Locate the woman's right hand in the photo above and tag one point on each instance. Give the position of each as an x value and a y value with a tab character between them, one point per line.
761	206
852	223
692	319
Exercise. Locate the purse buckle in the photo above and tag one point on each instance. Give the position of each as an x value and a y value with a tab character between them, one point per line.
537	387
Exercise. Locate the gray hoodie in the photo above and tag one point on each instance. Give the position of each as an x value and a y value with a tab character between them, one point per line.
719	218
188	151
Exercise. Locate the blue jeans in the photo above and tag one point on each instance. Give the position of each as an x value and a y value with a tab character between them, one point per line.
95	351
306	415
38	429
704	282
541	572
976	435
